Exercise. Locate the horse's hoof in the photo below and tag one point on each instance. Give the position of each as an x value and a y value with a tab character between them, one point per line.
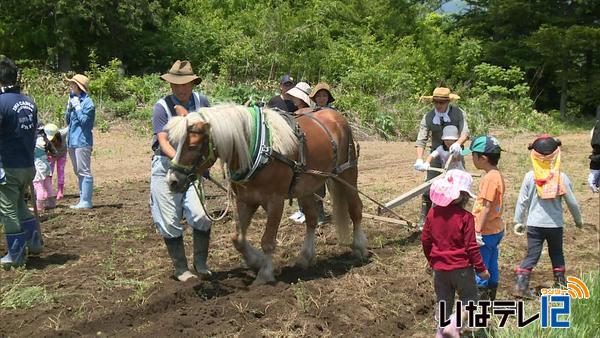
360	253
303	263
262	281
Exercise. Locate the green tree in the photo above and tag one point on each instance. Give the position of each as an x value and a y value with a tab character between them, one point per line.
554	41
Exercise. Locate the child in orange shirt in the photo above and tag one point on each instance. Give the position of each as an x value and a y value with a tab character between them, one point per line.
487	210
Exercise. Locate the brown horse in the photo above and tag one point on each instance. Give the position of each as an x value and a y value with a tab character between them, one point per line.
226	132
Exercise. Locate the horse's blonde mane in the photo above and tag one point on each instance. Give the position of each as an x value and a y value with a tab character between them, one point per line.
230	132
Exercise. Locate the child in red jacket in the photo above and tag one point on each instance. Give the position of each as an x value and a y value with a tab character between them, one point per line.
449	243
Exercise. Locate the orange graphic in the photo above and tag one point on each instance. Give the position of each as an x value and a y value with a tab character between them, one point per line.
577	288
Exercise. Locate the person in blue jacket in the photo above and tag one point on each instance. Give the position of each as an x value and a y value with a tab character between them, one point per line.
18	122
80	117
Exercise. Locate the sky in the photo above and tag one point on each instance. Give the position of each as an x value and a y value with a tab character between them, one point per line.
453	6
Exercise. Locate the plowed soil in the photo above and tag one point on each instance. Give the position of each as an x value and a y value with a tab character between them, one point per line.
106	272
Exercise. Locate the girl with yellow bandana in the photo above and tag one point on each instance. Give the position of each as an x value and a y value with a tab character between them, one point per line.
539	207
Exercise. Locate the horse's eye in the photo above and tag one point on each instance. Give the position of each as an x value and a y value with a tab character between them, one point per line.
192	147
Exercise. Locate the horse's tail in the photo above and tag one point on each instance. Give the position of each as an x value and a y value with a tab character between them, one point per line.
341	216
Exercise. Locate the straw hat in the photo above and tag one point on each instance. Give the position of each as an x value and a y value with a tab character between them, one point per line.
50	129
81	81
322	86
445	190
301	91
441	94
181	73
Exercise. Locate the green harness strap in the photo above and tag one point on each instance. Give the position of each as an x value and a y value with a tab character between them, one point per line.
259	147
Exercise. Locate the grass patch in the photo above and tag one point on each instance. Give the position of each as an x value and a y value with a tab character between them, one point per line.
584	318
19	296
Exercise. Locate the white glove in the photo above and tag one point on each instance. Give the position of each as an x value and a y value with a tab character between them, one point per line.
479	239
75	103
519	229
455	148
424	166
594	179
2	176
418	164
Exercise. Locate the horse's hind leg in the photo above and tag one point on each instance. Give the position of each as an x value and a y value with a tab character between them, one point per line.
253	258
359	241
307	254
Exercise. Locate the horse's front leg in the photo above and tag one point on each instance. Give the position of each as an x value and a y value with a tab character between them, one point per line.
252	257
274	208
306	257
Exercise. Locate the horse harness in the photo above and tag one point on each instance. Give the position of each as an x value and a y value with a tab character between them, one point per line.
266	152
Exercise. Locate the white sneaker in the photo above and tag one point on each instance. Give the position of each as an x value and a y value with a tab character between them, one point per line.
300	219
296	215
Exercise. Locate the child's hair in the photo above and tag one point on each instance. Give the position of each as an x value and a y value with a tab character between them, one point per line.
8	71
463	199
493	158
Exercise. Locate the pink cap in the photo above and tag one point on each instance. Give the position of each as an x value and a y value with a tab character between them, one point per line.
445	190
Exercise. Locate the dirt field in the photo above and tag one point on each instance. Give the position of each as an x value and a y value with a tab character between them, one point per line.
105	272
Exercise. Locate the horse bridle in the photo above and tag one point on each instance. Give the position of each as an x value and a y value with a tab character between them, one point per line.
190	171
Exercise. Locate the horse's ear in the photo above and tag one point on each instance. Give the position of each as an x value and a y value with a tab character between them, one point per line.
180	110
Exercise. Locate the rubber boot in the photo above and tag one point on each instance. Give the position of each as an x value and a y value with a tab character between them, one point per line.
483	292
60	189
33	236
201	242
322	218
522	285
16	251
425	206
177	253
87	189
80	180
51	198
492	292
41	205
40	195
559	277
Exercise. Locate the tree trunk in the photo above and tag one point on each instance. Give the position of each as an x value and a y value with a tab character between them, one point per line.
563	96
64	61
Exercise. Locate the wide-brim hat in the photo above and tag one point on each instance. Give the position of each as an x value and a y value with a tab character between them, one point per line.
82	81
322	86
441	94
50	130
181	73
445	190
302	91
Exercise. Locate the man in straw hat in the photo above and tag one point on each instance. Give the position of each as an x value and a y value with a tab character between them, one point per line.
18	122
433	123
168	207
80	116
